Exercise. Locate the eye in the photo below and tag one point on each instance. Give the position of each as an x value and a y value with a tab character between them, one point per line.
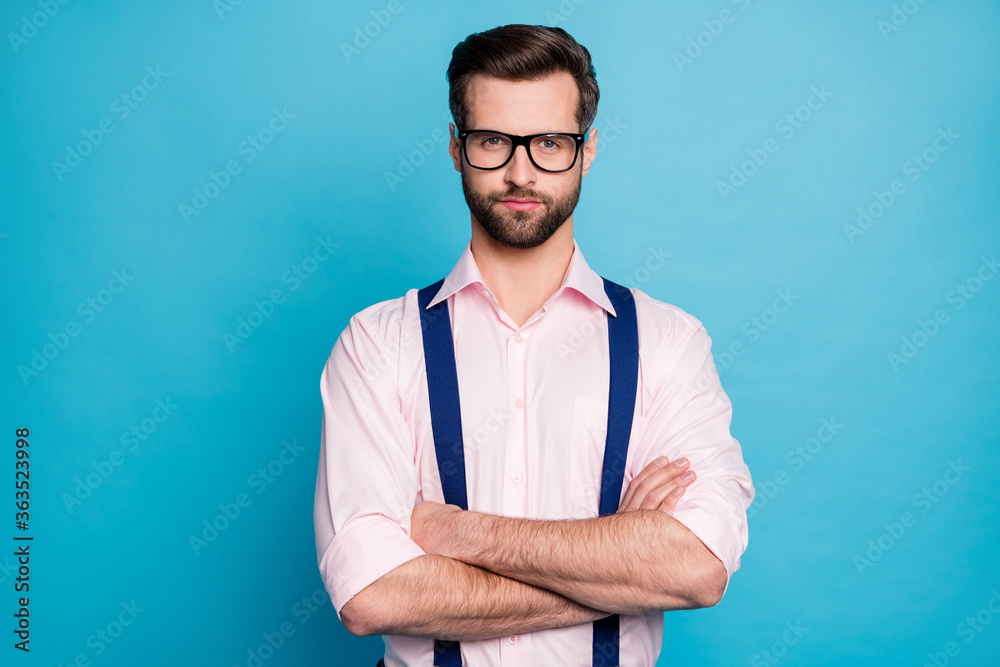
491	141
550	144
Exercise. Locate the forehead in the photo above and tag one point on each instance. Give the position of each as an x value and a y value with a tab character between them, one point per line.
523	107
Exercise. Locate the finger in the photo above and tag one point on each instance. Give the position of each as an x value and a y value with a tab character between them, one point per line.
650	491
674	497
667	496
659	493
655	465
670	502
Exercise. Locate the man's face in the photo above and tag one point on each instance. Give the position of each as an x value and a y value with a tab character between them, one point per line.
522	107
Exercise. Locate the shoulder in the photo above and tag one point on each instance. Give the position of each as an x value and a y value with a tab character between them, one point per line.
674	346
664	321
383	328
671	340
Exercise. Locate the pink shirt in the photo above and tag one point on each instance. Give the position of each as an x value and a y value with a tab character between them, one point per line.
534	418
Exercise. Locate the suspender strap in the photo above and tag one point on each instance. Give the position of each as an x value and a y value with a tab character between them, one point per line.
446	425
623	344
442	387
446	422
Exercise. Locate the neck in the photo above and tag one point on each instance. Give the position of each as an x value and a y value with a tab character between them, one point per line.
523	278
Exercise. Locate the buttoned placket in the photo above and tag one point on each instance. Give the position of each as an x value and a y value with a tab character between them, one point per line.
515	497
516	649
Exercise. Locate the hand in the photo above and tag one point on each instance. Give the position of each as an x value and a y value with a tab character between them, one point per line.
429	526
657	487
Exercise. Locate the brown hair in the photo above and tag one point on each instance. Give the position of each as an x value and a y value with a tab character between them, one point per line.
519	52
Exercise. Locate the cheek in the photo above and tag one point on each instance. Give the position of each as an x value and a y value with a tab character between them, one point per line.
485	185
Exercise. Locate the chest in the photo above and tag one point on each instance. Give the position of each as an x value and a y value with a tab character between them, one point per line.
534	413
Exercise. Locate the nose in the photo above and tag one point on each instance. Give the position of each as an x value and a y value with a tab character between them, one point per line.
520	171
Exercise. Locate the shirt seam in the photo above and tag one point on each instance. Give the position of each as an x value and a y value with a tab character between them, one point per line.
383	351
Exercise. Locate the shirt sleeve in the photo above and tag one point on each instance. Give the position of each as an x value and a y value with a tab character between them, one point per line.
366	484
690	416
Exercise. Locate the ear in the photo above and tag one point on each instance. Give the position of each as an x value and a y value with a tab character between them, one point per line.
589	151
455	147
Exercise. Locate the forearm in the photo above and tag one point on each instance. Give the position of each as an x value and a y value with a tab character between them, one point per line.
438	597
627	563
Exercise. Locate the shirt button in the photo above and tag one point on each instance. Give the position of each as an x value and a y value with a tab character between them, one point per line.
512	639
516	477
518	337
519	403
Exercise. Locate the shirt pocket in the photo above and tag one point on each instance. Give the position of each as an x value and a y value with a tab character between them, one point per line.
588	439
587	436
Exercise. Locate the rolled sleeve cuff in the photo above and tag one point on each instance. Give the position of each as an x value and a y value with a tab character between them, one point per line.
367	548
711	525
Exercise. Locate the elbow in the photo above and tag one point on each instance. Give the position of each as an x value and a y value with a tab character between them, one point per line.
357	617
703	587
708	586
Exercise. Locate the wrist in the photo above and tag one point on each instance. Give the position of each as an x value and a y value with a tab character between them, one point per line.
578	613
468	532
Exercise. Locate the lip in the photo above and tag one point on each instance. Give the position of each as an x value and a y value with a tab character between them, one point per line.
521	204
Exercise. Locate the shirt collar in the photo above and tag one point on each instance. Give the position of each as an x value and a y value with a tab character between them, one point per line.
578	276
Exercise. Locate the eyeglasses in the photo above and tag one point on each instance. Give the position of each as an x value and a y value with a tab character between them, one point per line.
550	151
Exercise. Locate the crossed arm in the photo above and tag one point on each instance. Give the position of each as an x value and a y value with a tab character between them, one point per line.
486	576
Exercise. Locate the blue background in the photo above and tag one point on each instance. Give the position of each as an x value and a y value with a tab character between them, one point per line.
673	130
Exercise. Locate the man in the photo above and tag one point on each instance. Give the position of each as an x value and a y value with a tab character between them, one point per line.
531	572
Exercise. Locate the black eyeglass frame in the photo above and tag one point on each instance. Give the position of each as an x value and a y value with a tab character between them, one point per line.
517	140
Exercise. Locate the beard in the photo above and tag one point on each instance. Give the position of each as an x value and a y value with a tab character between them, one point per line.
520	229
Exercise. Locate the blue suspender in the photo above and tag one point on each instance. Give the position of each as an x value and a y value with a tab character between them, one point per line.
442	385
446	425
446	422
623	344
